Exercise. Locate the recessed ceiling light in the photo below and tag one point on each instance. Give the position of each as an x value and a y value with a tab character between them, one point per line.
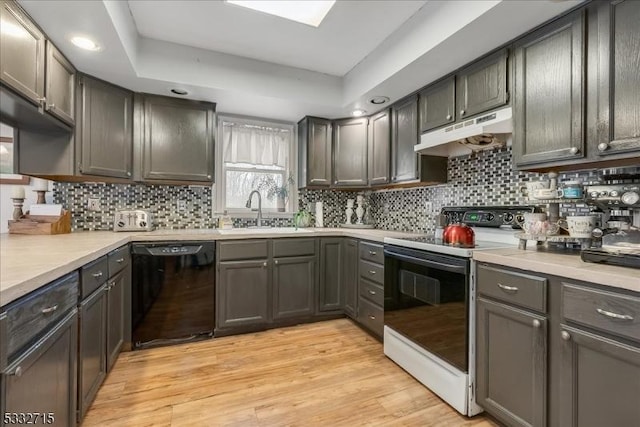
377	100
309	12
85	43
181	92
358	113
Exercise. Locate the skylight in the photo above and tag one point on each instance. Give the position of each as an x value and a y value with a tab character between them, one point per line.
307	12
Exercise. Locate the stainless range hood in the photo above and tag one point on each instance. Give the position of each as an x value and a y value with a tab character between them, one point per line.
480	133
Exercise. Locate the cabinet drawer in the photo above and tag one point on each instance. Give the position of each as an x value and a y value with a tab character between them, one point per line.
293	247
118	260
370	316
242	249
371	252
371	291
94	275
516	288
610	312
373	272
33	314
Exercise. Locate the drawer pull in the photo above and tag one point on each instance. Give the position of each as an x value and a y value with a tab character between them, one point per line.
97	275
613	315
536	323
17	372
50	309
507	288
372	317
372	272
372	292
566	336
120	260
373	253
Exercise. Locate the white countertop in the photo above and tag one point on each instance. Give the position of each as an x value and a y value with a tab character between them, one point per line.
29	262
563	265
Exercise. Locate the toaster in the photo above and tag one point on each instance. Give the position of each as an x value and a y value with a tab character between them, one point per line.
133	220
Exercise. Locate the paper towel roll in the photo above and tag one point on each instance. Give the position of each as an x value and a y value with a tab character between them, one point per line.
319	215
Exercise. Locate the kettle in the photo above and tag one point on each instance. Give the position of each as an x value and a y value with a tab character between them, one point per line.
460	235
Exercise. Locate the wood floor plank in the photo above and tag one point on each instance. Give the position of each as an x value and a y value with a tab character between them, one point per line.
325	373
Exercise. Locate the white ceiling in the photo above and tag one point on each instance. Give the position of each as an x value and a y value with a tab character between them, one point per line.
349	32
258	65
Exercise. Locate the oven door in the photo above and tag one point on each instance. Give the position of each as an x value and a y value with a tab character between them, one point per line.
426	299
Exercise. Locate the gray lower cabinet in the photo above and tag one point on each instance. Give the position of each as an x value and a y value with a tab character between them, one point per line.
314	152
437	104
116	289
294	287
350	277
177	138
613	124
350	147
242	293
404	135
92	355
549	107
331	289
104	132
60	85
42	379
511	363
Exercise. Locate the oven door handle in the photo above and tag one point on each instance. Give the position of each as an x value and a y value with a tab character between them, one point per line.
427	263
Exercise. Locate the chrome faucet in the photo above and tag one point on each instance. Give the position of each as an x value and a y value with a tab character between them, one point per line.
259	221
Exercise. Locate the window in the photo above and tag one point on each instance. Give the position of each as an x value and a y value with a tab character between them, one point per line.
254	155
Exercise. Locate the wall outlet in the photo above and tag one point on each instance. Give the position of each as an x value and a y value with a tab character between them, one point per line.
182	205
93	204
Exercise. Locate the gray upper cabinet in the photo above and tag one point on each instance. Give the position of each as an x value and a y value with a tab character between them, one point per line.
549	86
511	364
294	286
60	85
437	104
613	121
350	152
104	132
331	292
22	53
315	152
242	293
350	277
177	139
482	85
379	148
404	131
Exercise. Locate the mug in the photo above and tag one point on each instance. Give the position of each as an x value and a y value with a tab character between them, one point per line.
547	193
531	187
579	226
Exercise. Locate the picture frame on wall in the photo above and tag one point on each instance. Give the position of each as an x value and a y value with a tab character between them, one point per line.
7	149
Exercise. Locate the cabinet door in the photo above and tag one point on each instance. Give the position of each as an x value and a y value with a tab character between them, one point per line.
331	290
614	85
43	379
511	364
598	378
437	104
350	277
350	152
115	316
404	162
104	131
178	139
482	86
549	82
92	364
22	53
379	148
294	286
319	152
60	85
242	293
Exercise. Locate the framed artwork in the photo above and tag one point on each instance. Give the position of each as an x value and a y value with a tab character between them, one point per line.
7	175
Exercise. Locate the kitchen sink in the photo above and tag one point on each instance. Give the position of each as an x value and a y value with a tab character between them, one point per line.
272	230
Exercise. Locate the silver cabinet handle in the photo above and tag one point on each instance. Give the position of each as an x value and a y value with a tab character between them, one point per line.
613	315
372	292
97	275
120	260
50	309
566	336
372	317
448	116
209	176
536	323
275	262
374	252
574	150
507	288
17	372
603	146
264	264
372	272
462	112
128	173
51	106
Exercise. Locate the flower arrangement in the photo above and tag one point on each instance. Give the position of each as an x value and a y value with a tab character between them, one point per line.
274	189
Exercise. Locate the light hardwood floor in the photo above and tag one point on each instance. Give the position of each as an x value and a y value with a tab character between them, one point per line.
322	374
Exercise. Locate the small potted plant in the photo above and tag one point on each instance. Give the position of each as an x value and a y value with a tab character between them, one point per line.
274	189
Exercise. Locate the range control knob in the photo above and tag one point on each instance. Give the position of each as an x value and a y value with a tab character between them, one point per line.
594	194
630	198
614	193
508	218
490	216
519	218
142	224
604	193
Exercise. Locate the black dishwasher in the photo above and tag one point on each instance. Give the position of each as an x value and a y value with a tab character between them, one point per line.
172	292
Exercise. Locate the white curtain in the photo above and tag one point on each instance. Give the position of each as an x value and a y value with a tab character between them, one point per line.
255	144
